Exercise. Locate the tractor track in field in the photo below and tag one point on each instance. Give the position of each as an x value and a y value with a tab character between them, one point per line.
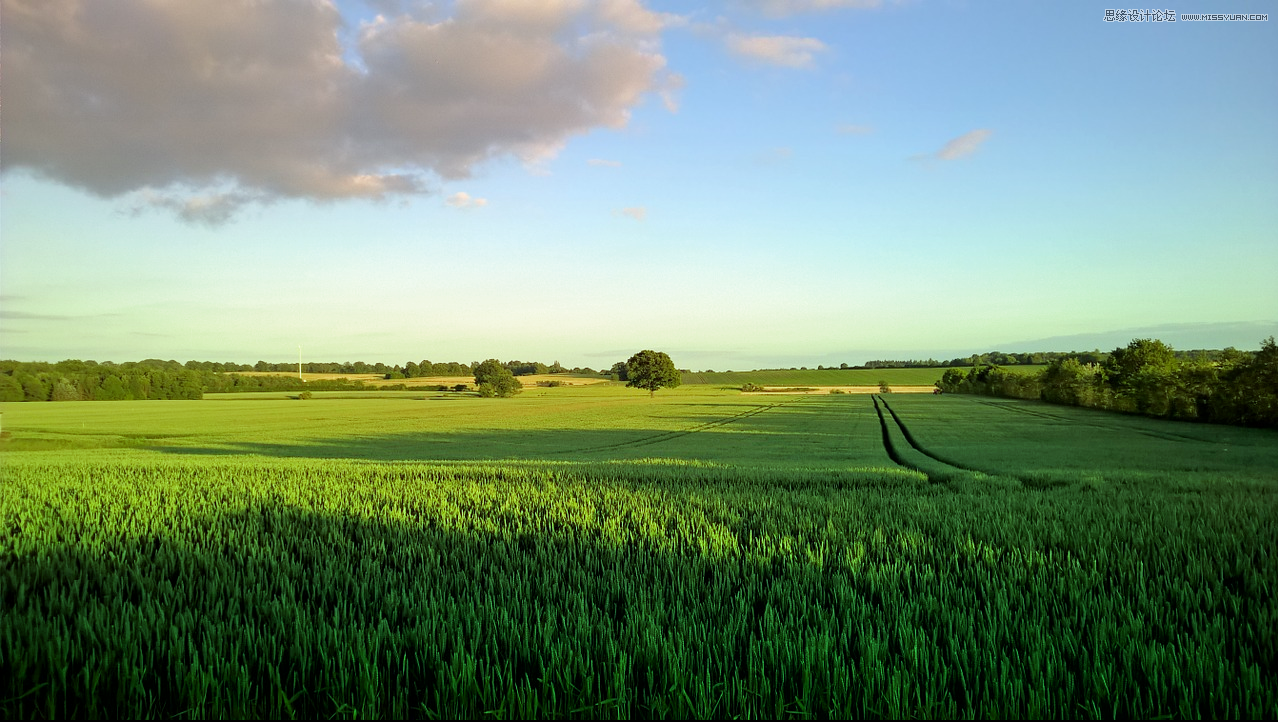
1165	436
909	438
668	435
890	447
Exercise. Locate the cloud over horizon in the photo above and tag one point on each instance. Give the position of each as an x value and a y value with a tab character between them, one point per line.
202	109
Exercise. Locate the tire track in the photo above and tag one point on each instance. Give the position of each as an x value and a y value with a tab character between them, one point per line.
668	435
890	447
944	461
905	431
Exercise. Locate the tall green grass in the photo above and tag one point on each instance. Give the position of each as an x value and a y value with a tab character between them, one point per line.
250	587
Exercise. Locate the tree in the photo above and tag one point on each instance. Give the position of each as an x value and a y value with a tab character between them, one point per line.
1124	365
64	391
112	390
494	379
952	381
651	370
1142	375
34	388
10	388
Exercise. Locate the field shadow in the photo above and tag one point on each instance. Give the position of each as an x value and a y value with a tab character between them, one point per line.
343	582
371	606
467	445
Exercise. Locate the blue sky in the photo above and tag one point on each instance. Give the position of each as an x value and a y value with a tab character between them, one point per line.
740	184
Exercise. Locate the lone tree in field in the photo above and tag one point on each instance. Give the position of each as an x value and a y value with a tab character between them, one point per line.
651	370
494	379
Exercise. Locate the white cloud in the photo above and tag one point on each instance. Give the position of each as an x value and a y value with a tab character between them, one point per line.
604	163
632	16
462	199
187	100
964	145
784	50
782	8
638	213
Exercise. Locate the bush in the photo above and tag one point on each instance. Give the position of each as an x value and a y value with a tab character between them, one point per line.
551	384
458	387
884	388
749	387
305	395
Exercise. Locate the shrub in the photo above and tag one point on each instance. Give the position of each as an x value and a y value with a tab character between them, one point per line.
750	387
305	395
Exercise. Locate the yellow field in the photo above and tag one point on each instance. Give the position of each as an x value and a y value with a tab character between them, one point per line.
379	380
807	390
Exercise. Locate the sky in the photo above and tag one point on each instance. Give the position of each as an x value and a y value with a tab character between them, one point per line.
741	184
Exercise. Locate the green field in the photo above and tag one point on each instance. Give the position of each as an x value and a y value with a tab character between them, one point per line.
831	377
593	552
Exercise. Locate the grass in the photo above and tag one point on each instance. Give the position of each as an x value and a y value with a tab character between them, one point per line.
570	423
1050	444
591	552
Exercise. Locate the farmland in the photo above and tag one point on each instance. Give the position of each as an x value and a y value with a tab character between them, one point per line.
829	377
591	552
429	381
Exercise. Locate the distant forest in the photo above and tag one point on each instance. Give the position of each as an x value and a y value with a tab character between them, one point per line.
1038	358
75	380
1146	377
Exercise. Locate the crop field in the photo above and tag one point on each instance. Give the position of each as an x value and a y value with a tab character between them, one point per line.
591	552
830	377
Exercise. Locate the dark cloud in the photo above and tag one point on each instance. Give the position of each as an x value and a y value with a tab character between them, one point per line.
204	108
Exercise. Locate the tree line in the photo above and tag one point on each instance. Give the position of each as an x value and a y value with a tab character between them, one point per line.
409	369
76	380
1146	377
